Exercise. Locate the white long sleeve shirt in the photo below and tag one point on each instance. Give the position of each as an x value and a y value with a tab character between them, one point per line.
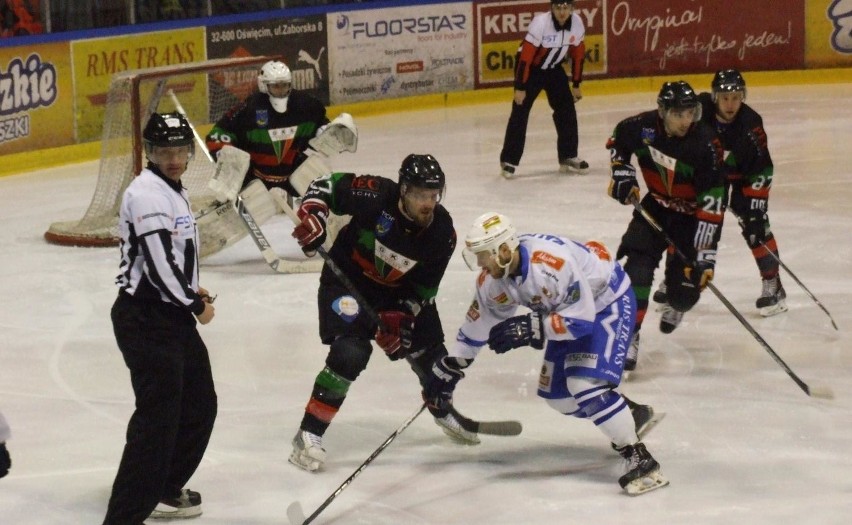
159	242
559	278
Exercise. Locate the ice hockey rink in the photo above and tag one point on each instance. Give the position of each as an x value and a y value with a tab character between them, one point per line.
741	443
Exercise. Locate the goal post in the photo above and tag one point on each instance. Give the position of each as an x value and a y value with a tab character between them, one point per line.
206	89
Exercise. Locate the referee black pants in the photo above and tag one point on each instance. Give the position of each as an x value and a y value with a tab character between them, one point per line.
557	86
175	406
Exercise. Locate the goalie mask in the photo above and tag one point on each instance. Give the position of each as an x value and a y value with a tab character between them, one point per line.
275	80
489	232
167	130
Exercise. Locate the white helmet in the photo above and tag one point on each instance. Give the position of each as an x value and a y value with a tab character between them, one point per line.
274	72
488	233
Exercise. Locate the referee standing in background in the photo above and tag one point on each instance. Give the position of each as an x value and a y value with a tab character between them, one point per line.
154	320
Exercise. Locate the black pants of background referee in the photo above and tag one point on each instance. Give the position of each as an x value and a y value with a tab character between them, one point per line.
557	87
175	405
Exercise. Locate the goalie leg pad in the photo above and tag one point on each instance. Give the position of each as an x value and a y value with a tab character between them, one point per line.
259	202
220	226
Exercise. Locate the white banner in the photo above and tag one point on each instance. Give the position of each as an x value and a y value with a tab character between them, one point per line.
400	52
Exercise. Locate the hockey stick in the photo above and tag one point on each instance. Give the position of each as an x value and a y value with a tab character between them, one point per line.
294	511
821	391
276	262
789	271
496	428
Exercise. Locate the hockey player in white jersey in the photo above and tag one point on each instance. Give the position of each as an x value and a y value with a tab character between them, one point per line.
582	311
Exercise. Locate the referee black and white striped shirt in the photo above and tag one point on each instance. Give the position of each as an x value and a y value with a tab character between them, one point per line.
159	242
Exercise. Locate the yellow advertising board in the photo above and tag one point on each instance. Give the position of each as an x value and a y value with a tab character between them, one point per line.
97	60
828	33
35	98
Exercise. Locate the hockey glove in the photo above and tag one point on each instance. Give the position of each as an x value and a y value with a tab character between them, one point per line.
623	187
702	272
396	332
6	461
514	332
310	233
755	226
440	384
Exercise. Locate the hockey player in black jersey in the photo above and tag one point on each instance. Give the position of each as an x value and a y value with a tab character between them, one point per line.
748	172
154	321
273	124
394	250
679	158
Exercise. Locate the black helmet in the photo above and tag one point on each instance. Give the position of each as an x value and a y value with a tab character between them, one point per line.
167	130
677	95
422	171
728	80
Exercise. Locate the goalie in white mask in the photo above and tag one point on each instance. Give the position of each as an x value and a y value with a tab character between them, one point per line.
582	310
274	125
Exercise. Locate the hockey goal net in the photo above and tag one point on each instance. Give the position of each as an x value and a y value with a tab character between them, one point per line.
205	90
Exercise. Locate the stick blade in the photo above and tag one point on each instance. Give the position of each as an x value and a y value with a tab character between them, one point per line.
821	392
295	514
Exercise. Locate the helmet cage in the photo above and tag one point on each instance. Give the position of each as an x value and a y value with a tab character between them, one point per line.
275	72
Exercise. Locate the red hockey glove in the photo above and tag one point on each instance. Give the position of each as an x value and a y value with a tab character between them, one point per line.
310	233
397	334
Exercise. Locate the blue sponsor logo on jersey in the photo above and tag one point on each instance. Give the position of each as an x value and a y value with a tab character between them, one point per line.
384	224
648	135
261	117
183	223
346	307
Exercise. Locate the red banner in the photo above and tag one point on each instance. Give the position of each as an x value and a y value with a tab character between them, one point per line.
657	37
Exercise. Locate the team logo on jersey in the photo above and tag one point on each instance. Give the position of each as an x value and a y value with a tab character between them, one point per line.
573	293
261	118
281	139
384	224
540	257
473	311
501	299
387	267
665	166
648	135
346	307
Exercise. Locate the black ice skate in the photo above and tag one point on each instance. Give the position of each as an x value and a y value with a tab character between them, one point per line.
643	472
772	298
187	505
670	319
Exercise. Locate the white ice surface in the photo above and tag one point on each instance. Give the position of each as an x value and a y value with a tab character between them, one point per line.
741	443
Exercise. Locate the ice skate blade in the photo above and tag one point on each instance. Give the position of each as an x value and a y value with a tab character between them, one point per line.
645	484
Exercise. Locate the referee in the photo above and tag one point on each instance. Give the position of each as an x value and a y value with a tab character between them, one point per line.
154	320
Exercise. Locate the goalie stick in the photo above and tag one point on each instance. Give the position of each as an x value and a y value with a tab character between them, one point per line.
496	428
295	513
823	392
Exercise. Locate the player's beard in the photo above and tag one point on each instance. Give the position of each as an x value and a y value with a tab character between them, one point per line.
423	216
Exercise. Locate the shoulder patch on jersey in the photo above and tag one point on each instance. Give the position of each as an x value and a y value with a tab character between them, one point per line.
501	299
557	323
540	257
261	117
598	249
473	311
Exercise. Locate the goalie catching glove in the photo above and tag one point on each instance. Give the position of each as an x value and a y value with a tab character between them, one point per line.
311	232
623	187
702	272
518	331
442	381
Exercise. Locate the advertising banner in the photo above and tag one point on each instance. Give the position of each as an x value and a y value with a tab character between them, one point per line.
501	26
96	60
660	37
35	98
400	52
300	42
829	33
